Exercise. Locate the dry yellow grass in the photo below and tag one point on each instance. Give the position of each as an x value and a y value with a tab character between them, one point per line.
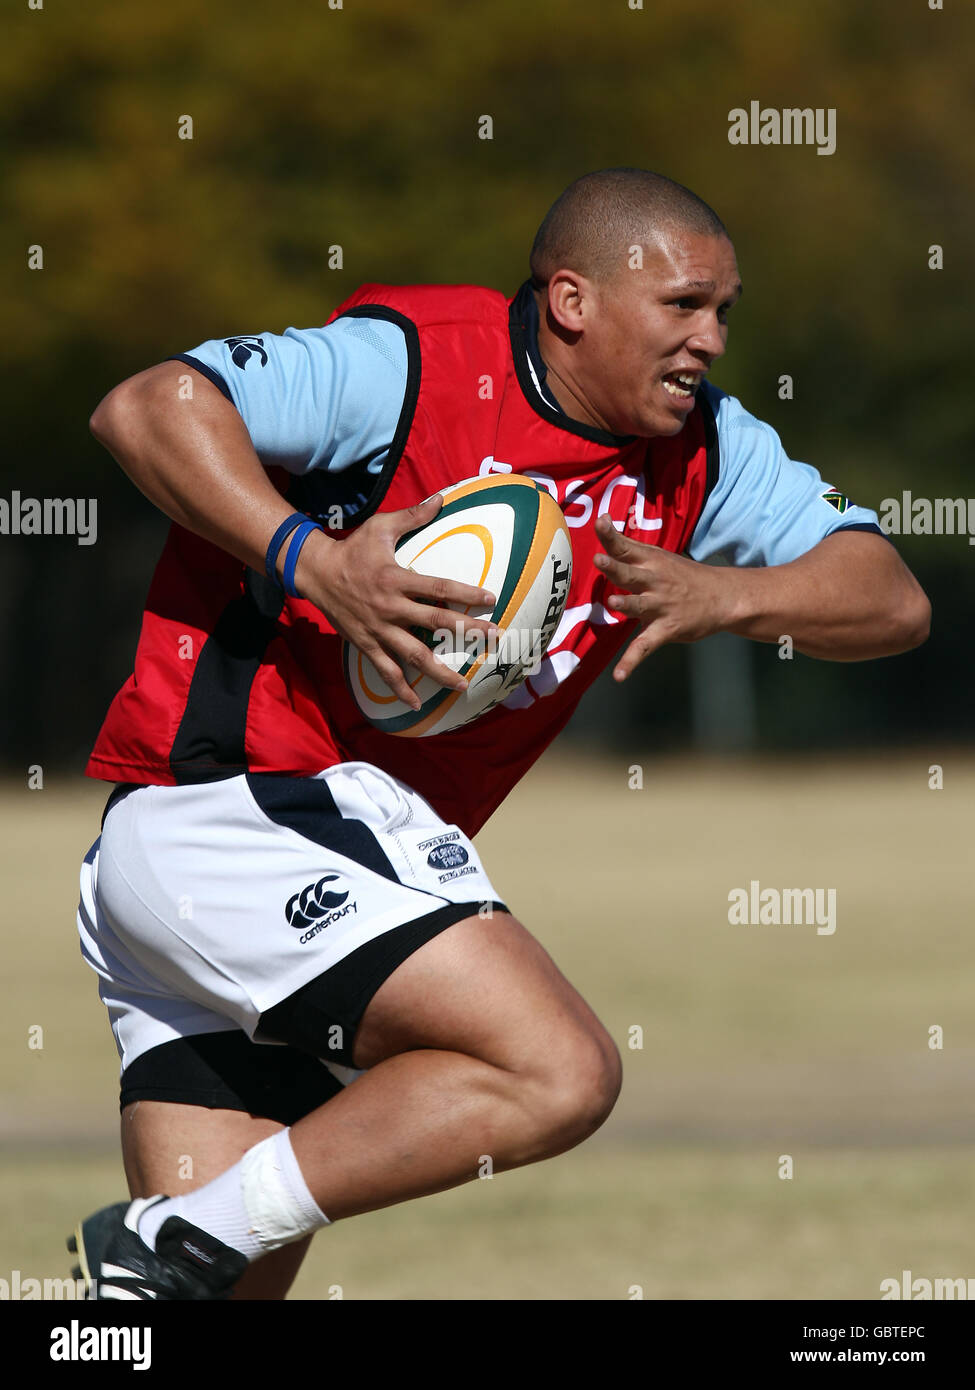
757	1041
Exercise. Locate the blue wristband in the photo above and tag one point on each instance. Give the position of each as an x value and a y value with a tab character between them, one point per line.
294	549
285	529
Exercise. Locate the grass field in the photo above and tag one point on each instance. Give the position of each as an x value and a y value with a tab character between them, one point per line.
757	1042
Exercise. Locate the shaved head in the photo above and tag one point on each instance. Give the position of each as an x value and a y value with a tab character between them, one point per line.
633	277
592	226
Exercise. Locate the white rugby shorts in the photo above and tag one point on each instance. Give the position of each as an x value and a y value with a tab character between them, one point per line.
204	906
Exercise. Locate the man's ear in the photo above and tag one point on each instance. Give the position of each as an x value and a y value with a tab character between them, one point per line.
568	295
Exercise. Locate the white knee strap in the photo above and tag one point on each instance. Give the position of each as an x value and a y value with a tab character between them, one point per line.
279	1206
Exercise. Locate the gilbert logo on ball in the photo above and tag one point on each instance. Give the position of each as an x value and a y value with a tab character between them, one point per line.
507	535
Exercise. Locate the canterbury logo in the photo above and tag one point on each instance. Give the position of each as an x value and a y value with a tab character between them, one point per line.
244	348
313	902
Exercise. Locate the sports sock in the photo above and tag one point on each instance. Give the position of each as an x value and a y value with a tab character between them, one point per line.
260	1204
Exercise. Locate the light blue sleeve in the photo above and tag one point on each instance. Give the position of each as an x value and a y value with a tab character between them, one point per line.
766	509
314	398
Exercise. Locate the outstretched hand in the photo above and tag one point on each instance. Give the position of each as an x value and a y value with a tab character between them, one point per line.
672	598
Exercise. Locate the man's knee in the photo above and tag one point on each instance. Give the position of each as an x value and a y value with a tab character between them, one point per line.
572	1090
490	992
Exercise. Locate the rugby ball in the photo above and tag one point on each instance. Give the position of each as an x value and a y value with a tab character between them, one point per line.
503	533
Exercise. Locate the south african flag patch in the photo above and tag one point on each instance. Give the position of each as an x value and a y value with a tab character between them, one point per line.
837	500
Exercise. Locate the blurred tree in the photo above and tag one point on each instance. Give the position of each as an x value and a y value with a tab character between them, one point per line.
358	128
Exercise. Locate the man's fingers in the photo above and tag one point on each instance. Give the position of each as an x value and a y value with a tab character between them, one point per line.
448	620
405	661
410	518
638	606
618	545
635	578
400	596
446	591
388	527
630	564
649	640
393	669
393	674
418	655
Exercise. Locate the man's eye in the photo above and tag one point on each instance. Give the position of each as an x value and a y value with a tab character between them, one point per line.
692	304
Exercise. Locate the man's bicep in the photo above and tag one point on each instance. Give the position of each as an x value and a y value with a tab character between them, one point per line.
766	508
326	398
143	408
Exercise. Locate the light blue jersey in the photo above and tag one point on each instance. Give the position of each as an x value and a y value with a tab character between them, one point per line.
331	398
314	397
765	509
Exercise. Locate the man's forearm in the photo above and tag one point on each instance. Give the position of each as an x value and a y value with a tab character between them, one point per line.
850	598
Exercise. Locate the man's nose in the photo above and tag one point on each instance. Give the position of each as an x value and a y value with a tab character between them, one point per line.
708	340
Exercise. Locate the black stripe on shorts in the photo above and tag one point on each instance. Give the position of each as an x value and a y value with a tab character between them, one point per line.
226	1071
323	1016
307	806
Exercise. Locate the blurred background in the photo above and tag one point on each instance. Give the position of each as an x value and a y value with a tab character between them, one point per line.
358	127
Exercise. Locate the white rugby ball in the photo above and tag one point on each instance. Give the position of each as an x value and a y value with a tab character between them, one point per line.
503	533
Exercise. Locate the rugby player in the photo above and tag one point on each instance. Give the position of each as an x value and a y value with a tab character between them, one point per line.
307	1008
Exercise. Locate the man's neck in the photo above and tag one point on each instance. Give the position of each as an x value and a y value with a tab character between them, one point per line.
552	350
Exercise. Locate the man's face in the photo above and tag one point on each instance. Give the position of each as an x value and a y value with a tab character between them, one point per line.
646	327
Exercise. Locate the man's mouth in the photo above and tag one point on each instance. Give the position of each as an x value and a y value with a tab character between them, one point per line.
682	385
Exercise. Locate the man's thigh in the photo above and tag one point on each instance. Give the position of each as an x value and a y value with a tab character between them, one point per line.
175	1148
485	987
